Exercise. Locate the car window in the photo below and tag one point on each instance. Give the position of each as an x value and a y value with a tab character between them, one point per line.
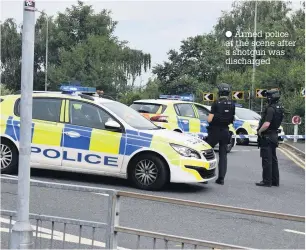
184	110
247	114
46	109
130	116
150	108
87	115
203	113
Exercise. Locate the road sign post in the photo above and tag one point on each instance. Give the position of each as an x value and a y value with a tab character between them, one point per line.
22	231
296	120
260	93
237	95
209	97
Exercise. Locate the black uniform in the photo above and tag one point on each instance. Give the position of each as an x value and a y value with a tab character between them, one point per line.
218	131
268	142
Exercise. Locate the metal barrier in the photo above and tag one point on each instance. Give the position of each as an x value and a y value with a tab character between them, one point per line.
184	240
113	227
53	219
66	221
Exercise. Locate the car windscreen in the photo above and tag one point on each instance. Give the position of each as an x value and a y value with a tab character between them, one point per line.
150	108
247	114
130	116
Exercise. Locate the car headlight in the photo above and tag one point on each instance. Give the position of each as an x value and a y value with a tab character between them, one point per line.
185	151
254	127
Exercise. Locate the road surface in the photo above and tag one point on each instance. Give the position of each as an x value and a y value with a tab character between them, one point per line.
244	169
299	144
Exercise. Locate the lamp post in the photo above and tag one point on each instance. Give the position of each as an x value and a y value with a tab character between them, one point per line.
22	231
47	42
254	58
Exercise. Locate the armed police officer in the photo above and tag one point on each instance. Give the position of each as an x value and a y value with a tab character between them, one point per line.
268	139
221	115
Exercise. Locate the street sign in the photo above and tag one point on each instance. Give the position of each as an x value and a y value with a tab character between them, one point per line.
260	93
237	95
29	5
208	97
303	92
296	120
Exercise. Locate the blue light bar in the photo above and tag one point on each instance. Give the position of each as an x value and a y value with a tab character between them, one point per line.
184	97
72	89
238	105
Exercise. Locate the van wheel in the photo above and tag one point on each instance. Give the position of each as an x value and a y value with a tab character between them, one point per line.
242	141
230	146
148	172
8	157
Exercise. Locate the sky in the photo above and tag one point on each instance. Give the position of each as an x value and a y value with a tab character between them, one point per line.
154	27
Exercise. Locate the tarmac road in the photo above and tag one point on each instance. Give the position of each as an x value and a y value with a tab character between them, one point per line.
244	169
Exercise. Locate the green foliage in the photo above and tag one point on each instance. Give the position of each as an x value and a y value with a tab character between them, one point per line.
82	47
4	90
201	61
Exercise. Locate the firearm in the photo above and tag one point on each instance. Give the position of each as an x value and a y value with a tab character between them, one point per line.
259	138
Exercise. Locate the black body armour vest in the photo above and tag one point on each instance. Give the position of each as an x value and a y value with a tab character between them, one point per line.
225	113
277	117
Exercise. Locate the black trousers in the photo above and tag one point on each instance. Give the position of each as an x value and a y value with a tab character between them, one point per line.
270	172
221	136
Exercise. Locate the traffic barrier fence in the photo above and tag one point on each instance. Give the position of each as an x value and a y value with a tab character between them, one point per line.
112	226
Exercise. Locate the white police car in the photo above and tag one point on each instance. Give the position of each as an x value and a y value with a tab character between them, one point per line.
80	133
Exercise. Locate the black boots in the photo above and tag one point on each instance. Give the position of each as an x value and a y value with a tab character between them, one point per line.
219	181
263	184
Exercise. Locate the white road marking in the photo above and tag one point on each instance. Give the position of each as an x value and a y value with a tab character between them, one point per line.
11	176
46	233
293	231
243	150
101	194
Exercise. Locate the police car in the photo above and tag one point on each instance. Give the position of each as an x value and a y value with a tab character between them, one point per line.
81	133
179	113
246	124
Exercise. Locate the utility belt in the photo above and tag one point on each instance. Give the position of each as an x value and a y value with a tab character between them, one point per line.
217	127
271	132
268	138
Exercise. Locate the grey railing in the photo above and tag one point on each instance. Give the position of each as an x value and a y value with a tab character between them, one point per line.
54	219
113	227
67	221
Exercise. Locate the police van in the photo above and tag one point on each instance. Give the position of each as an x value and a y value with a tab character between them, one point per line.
77	132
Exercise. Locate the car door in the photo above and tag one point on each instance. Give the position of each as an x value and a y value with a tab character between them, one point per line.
47	127
202	114
187	119
87	144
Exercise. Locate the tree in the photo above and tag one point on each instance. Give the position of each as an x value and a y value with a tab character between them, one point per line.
199	61
82	46
10	55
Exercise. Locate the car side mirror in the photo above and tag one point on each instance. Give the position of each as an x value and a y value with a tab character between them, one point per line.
113	126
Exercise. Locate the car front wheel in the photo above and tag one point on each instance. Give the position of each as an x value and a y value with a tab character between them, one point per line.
148	172
8	157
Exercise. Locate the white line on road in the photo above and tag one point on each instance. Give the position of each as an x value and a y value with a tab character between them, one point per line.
293	231
244	150
11	176
101	194
46	233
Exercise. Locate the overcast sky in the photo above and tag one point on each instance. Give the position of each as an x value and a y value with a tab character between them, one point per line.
154	27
